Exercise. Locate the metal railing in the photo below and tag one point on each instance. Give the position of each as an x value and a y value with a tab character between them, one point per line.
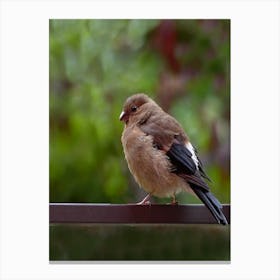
132	213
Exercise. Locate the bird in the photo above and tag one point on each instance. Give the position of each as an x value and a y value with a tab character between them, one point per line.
160	155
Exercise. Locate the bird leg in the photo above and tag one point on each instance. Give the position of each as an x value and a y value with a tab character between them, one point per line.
145	200
174	201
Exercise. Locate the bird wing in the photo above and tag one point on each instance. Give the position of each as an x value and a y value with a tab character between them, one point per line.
169	136
185	165
183	157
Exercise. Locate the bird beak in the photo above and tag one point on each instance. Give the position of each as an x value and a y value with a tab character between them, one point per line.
123	116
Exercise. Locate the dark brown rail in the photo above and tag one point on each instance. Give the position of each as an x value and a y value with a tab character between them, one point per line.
132	213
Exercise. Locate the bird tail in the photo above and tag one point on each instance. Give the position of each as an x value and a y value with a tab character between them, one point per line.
212	203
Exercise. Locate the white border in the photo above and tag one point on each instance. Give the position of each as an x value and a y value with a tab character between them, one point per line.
255	138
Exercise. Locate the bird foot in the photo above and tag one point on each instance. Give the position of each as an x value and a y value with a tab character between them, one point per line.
145	201
148	202
174	201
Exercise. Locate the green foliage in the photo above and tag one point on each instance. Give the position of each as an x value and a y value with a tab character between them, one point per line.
96	64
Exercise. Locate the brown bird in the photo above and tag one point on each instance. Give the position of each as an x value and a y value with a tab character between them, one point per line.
160	155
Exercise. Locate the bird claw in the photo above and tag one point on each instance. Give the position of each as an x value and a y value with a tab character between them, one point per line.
174	201
145	201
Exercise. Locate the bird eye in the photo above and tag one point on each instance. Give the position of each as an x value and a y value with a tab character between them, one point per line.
133	108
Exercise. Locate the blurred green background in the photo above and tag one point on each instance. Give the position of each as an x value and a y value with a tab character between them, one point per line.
94	66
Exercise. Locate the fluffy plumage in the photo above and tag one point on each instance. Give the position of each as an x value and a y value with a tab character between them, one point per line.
160	155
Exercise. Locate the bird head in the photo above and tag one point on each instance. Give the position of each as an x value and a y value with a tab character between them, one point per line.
134	107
